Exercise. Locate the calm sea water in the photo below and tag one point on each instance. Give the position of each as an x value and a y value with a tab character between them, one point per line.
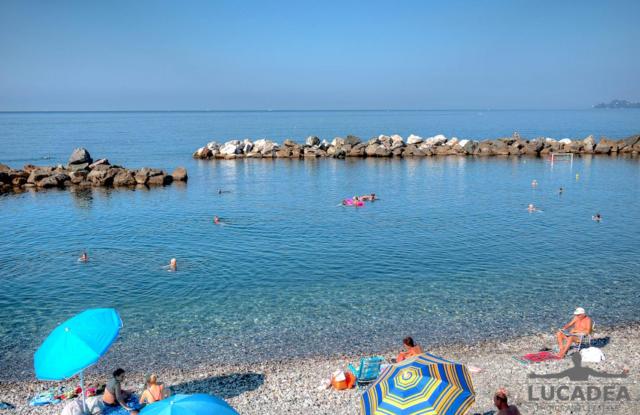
448	253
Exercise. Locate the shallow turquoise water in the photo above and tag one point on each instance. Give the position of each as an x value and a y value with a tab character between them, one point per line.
449	252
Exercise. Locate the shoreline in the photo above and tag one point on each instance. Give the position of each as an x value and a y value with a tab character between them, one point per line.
291	386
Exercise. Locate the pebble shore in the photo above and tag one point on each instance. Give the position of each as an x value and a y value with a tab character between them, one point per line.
296	386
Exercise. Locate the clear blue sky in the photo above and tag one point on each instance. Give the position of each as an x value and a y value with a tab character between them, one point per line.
118	55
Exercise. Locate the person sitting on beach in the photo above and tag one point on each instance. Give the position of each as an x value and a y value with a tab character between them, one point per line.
500	401
411	349
154	391
597	217
114	395
84	257
579	324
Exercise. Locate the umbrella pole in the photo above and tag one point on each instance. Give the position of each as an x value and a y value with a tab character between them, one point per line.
84	403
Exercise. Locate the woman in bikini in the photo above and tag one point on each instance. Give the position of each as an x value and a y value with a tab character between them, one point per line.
154	391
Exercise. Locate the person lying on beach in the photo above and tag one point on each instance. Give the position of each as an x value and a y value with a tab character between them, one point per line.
500	400
597	217
154	391
114	395
84	257
579	324
411	349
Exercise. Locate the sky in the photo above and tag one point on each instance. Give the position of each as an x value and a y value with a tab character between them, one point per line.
58	55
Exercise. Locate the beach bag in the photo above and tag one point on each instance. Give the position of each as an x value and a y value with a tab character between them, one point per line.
341	380
592	355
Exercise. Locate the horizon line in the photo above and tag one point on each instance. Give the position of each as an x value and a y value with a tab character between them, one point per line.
300	110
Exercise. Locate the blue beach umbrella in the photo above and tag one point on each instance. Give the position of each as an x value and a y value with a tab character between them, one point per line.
197	404
77	344
424	384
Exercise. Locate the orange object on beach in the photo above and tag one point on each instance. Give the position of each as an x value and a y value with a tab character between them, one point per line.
346	381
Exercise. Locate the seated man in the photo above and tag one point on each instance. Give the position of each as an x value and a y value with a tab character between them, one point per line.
411	349
114	395
579	324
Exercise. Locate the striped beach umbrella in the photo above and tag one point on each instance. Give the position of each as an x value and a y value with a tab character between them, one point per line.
425	385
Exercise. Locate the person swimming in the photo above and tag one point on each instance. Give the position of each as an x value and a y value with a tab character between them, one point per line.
561	190
173	265
370	197
534	183
532	208
219	191
84	257
597	217
216	220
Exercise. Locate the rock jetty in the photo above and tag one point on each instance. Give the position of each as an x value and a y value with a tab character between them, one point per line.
414	146
83	171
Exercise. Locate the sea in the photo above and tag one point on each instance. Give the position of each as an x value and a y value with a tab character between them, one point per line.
449	252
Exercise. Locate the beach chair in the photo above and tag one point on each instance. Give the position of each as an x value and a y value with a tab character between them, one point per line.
368	370
586	337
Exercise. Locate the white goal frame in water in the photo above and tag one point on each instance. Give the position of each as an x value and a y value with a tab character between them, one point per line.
561	157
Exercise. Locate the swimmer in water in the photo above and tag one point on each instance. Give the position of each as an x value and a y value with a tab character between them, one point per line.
561	190
531	208
173	265
219	191
534	183
597	217
216	220
84	257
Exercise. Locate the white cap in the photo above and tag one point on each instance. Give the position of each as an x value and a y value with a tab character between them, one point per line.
579	310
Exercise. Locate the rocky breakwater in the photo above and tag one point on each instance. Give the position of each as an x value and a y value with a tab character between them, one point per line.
415	146
83	171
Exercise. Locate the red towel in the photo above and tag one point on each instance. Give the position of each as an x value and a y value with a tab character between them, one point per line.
540	356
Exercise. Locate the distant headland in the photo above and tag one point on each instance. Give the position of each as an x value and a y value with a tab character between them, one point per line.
618	103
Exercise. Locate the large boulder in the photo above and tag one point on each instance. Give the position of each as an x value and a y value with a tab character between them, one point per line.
312	141
396	142
161	179
38	174
289	143
626	145
101	162
78	177
102	175
606	146
352	140
284	152
4	177
414	139
231	147
436	140
55	180
80	156
339	153
589	144
246	146
357	150
142	176
338	142
180	174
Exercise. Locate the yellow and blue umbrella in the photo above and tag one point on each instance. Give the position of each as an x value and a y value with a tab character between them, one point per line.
196	404
423	385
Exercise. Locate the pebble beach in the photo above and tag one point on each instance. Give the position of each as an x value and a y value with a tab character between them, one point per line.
297	386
